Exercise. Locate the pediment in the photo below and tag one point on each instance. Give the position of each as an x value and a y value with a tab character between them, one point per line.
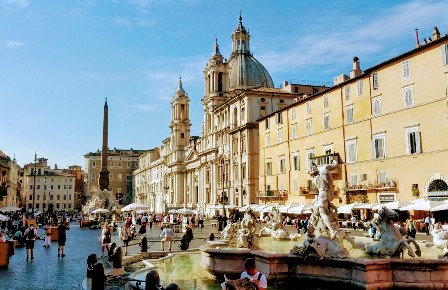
192	154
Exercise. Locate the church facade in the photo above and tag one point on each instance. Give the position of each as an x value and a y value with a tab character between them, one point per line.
221	165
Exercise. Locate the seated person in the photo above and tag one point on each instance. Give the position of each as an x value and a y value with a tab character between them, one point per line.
255	277
2	237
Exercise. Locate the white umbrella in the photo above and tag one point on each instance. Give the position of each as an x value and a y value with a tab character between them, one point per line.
443	206
284	208
134	206
243	208
185	211
172	211
9	208
393	205
426	205
100	210
3	218
347	208
268	208
298	209
141	211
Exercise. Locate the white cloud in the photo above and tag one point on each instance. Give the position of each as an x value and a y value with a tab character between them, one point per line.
366	37
122	21
13	44
75	12
138	22
19	3
144	108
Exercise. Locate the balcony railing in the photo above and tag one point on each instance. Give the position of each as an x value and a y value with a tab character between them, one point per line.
273	195
388	184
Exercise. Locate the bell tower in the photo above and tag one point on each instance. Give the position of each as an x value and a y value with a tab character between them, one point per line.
180	119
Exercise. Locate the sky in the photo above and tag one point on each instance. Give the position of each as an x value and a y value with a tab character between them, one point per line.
60	60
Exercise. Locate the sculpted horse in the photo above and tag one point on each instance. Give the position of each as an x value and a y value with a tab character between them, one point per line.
391	241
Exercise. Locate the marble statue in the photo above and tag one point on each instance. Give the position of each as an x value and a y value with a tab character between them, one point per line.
100	199
229	233
274	226
246	237
440	238
391	242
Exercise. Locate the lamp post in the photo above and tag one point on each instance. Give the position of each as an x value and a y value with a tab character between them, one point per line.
45	189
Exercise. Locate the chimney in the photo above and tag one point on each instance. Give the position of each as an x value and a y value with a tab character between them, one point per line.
356	70
435	33
416	38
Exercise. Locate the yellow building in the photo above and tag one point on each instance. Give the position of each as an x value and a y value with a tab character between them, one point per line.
387	125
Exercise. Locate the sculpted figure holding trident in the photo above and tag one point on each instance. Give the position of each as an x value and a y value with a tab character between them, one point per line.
324	183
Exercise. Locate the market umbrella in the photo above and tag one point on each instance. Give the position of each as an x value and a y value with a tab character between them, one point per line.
399	204
100	210
243	208
347	208
185	211
426	205
134	206
141	211
284	208
3	218
268	208
443	206
172	211
298	209
9	208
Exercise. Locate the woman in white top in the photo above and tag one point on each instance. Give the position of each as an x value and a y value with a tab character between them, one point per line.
167	235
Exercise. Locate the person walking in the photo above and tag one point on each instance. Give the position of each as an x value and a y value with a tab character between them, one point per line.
167	236
30	237
126	236
201	220
47	238
62	237
105	238
427	224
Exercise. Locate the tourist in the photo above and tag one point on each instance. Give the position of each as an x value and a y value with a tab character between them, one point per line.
152	280
47	238
255	277
427	224
18	236
62	237
126	236
105	238
150	220
142	229
30	236
167	235
411	227
2	237
353	220
201	220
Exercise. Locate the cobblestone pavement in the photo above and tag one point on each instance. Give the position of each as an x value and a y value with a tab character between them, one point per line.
47	271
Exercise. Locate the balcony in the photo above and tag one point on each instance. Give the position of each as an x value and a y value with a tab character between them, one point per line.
273	195
372	185
305	190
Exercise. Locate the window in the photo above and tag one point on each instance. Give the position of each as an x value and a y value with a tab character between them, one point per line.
243	171
51	186
295	186
359	85
412	140
309	156
327	121
353	179
444	48
266	123
351	151
119	176
293	113
268	168
325	101
295	162
347	92
382	177
262	108
282	164
268	140
308	107
376	106
93	164
408	95
378	146
349	114
59	186
308	127
375	81
406	68
182	135
294	131
280	136
278	118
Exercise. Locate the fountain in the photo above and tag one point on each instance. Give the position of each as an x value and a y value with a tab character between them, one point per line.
323	258
98	199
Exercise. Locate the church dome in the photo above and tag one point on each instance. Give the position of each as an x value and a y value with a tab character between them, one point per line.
245	71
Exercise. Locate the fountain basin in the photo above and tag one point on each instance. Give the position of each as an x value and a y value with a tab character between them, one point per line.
284	268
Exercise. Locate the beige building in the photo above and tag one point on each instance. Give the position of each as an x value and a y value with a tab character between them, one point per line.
385	125
11	182
221	165
48	189
121	163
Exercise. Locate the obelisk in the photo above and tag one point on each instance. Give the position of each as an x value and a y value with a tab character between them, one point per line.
103	181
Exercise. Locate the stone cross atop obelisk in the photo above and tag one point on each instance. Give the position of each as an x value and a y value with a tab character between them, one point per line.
103	181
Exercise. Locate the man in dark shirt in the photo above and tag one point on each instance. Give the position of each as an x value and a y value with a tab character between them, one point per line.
62	228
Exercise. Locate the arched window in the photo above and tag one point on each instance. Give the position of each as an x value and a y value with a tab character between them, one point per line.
438	185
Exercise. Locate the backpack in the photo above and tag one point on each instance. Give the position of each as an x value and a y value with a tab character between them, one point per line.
31	234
